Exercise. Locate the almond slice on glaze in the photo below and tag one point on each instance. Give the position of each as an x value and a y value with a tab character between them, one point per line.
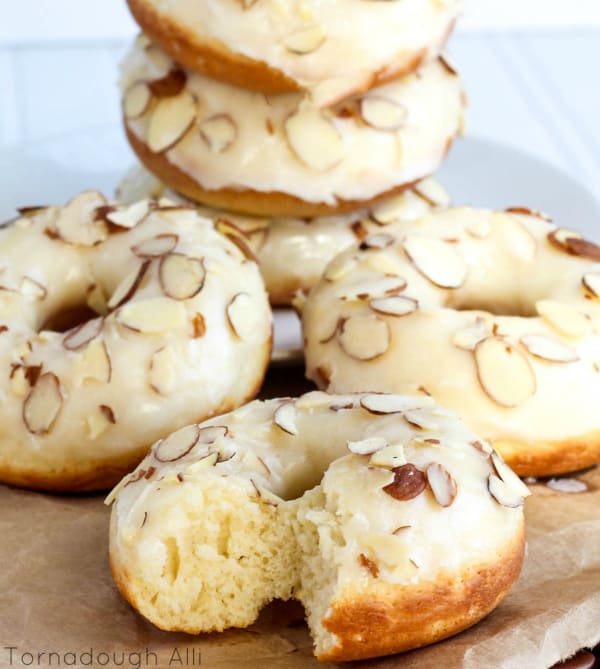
573	243
376	241
219	132
76	223
162	372
364	337
564	318
177	445
380	287
129	217
285	418
305	40
549	349
171	119
82	335
43	404
314	140
442	484
156	314
180	276
409	482
432	192
437	261
156	246
128	286
136	100
367	446
505	374
526	211
390	457
94	363
380	404
505	486
468	338
382	113
212	433
422	419
591	282
396	305
339	268
33	289
242	316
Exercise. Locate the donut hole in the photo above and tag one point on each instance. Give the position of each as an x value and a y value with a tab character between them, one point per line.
68	318
498	305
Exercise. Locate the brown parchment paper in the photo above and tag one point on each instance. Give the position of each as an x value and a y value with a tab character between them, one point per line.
57	595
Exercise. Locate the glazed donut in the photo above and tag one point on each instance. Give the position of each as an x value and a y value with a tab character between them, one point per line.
292	253
495	314
391	522
117	326
275	47
241	151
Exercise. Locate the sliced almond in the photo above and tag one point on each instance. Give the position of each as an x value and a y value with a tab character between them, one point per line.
468	338
206	461
377	241
156	246
94	363
99	421
396	305
33	289
136	100
82	335
383	113
369	565
163	371
177	445
169	85
96	300
367	446
19	383
43	404
409	482
242	316
502	493
171	120
567	485
340	267
314	140
549	349
212	433
154	315
433	193
128	286
389	458
285	418
315	400
442	484
219	132
564	318
422	419
129	217
380	287
77	224
402	207
573	243
437	261
526	211
306	40
504	372
180	276
364	337
591	281
381	403
483	447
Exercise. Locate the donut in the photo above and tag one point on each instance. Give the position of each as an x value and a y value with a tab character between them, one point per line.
275	47
495	314
292	253
392	523
242	151
117	326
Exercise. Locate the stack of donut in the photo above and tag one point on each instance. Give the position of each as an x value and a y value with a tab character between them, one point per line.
297	110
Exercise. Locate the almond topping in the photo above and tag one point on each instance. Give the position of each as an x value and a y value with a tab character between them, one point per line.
433	193
396	305
573	243
437	261
314	140
422	419
171	119
180	276
43	404
285	418
93	363
564	318
128	286
591	281
378	241
381	403
76	222
136	100
389	458
468	338
210	434
504	372
163	375
177	445
219	132
33	289
409	482
339	268
242	316
153	315
129	217
368	564
305	40
82	335
381	287
382	113
526	211
364	337
442	485
549	349
367	446
155	247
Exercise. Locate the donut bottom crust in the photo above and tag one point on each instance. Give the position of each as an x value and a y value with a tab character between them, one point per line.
550	458
211	57
268	203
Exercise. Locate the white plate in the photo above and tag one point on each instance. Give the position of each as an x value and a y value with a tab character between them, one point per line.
478	172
